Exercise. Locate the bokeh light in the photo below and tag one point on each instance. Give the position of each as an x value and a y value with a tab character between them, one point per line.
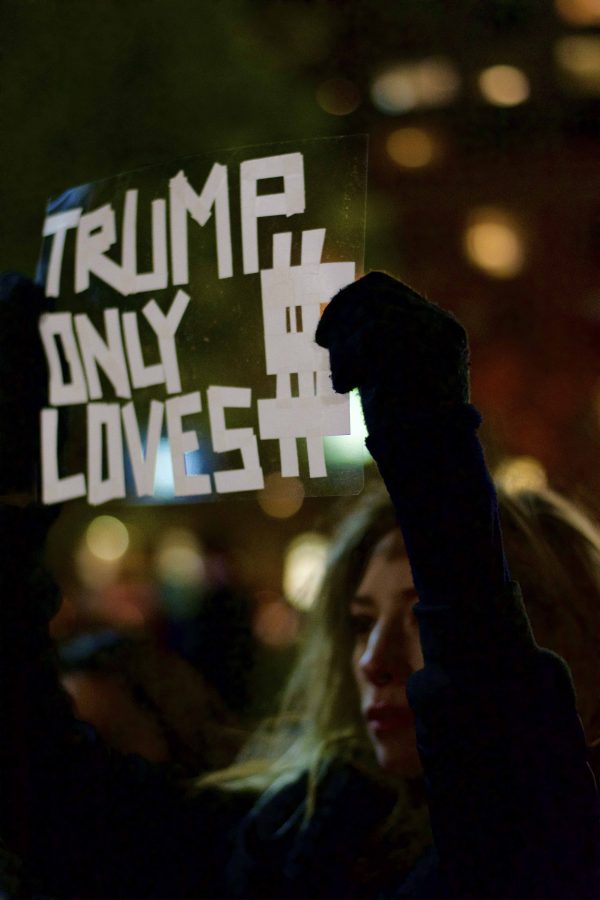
304	565
281	497
275	623
412	147
338	96
493	242
179	559
520	473
100	552
579	12
504	85
578	58
107	538
426	83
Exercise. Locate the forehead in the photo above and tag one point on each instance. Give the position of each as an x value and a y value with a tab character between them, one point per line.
388	573
391	545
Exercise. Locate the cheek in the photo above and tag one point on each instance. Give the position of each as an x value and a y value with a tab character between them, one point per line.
414	653
357	671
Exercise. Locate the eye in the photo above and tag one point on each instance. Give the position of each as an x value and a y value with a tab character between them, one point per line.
360	624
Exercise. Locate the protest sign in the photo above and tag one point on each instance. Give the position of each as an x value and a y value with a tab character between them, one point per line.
180	350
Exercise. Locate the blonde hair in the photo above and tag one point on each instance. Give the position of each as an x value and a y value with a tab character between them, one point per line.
320	713
553	550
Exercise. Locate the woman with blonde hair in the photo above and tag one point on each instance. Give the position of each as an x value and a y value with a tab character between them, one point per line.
512	804
422	658
553	549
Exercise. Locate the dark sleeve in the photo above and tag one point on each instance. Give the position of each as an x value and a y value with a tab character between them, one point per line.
280	852
513	804
85	821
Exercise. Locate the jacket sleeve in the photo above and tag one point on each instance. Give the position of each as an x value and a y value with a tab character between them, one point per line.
513	803
85	821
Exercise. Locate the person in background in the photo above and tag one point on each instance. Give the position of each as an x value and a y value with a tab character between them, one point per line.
144	698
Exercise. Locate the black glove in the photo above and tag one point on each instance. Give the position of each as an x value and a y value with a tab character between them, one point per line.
23	381
383	337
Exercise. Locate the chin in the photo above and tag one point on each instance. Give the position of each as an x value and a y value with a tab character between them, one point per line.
398	760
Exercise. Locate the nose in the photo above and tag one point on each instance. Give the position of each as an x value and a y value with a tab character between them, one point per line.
385	659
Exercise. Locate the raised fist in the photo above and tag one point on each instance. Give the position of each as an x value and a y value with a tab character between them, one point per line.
383	337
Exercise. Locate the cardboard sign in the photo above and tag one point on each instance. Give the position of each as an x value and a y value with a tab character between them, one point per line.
180	352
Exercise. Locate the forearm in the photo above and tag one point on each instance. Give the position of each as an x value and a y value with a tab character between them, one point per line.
435	472
434	469
497	728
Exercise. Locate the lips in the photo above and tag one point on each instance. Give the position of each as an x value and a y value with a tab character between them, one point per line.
387	718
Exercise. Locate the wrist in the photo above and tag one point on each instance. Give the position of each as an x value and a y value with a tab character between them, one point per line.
389	418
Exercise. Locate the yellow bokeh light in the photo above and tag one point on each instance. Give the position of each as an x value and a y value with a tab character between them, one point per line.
521	473
338	96
281	497
504	85
578	56
493	242
412	148
303	568
107	538
579	12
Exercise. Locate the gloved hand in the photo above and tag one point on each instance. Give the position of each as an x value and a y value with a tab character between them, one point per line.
385	339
